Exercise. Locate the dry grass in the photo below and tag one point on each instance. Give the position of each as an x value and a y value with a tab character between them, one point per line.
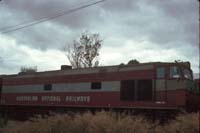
102	122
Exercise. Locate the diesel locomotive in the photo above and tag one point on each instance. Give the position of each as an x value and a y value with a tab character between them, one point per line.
153	85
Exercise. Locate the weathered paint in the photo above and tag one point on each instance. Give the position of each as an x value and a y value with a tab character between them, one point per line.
178	98
80	71
172	84
63	87
114	76
176	84
160	84
86	99
72	87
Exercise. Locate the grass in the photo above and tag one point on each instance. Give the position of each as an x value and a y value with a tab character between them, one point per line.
102	122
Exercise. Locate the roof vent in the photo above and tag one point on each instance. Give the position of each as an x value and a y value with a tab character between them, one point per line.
66	67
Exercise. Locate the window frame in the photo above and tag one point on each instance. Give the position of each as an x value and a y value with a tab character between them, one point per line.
171	75
96	85
164	73
190	74
47	87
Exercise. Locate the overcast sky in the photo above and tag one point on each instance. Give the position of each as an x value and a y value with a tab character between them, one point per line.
146	30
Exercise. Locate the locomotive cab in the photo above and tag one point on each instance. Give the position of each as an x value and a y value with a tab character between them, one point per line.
183	74
174	84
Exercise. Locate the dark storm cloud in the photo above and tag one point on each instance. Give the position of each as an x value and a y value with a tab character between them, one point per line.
160	21
121	5
176	8
41	35
181	21
164	21
37	9
163	24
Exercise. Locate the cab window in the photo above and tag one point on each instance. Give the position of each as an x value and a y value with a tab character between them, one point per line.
160	72
187	74
174	72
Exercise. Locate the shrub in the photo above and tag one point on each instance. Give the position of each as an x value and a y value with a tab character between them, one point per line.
101	122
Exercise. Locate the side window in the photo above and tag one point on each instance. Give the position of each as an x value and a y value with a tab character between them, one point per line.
48	87
160	72
95	85
187	74
174	72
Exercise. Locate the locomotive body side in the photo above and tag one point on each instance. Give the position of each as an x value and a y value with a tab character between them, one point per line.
144	86
94	87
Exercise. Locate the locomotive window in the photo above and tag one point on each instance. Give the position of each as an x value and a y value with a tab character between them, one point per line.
160	72
187	74
96	85
174	72
48	87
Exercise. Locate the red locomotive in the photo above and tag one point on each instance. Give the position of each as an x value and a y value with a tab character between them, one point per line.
154	85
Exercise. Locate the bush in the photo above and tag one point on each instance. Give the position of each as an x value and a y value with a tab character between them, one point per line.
186	123
101	122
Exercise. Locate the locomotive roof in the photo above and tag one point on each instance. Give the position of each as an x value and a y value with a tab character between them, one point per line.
99	69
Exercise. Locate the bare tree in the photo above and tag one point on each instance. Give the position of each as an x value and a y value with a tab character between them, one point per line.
85	51
75	54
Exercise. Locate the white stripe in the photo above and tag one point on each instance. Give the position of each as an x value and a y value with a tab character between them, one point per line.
68	87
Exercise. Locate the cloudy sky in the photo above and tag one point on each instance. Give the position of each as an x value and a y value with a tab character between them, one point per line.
146	30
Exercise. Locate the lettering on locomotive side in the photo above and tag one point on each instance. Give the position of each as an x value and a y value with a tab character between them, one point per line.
51	98
27	98
77	99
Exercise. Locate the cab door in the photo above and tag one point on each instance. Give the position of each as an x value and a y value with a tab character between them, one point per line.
161	85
